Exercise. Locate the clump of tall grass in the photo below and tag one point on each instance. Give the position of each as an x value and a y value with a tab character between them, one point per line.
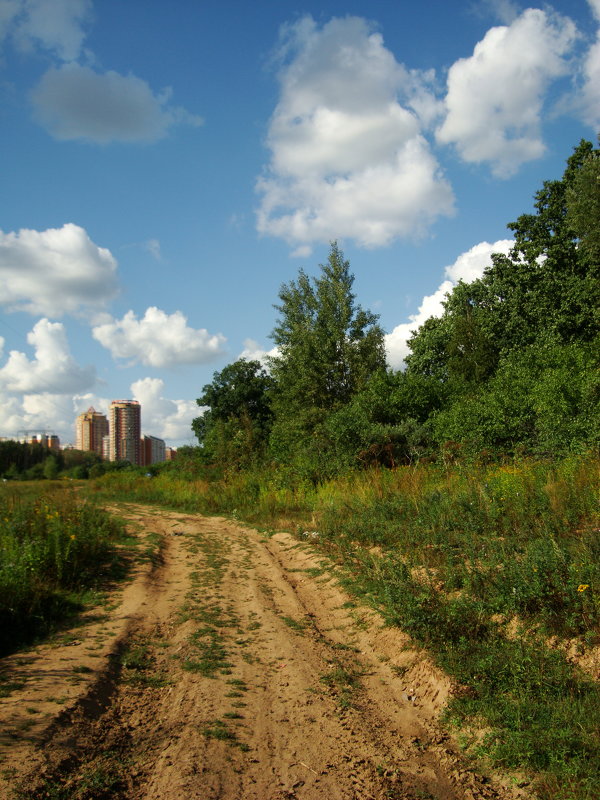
52	546
520	538
255	497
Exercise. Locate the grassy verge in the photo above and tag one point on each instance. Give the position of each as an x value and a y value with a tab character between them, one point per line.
482	565
519	539
54	549
537	711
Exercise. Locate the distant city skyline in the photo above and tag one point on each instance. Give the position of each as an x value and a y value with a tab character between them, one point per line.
116	438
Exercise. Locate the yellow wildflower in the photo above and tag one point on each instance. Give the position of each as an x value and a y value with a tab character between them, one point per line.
582	587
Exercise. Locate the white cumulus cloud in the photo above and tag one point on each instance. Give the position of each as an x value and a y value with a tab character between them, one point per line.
81	403
348	160
588	100
254	352
53	368
469	266
53	272
158	339
168	419
595	7
53	25
396	341
12	418
36	413
590	94
495	98
75	102
36	393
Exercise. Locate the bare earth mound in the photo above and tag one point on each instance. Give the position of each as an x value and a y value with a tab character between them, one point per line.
233	668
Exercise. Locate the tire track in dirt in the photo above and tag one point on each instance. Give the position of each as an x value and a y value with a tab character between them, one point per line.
237	668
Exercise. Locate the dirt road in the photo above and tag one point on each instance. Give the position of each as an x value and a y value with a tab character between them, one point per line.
231	667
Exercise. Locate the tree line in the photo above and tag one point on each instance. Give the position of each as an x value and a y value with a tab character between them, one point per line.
511	366
33	462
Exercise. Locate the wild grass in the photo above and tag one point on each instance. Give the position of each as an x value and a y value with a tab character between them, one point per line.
103	777
343	680
482	565
255	497
298	626
219	730
138	664
53	548
207	652
519	539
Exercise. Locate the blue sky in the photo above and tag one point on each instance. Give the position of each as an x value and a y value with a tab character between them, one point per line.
165	167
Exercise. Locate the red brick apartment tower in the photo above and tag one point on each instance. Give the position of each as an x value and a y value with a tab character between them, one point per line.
152	450
125	431
89	429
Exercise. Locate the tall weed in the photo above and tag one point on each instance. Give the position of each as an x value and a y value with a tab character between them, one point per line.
521	538
52	546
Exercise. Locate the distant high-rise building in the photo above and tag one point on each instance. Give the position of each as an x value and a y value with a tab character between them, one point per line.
153	450
125	431
49	440
53	442
90	428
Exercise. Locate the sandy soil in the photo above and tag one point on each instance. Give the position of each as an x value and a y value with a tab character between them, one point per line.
231	667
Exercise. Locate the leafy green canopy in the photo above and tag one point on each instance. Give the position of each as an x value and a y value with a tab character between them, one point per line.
512	364
583	205
237	413
31	461
548	287
517	350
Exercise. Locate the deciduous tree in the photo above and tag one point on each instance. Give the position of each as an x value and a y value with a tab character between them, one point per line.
237	416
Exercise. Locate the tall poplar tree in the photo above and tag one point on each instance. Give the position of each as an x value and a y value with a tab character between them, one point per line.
328	348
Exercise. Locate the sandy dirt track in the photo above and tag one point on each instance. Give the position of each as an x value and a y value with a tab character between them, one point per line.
232	667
